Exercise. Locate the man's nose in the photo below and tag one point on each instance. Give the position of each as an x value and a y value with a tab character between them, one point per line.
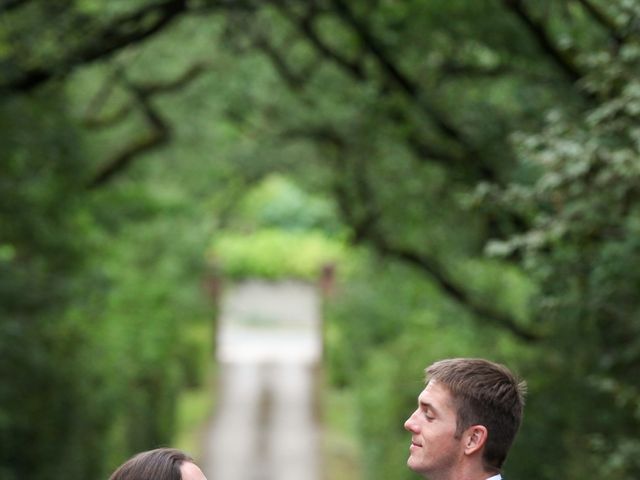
410	424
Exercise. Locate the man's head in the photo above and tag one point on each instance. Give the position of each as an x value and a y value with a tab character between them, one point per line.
159	464
470	408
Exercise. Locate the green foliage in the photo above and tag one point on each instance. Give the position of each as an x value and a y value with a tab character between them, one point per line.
582	251
276	254
194	410
277	231
143	325
278	203
385	326
393	114
342	459
92	353
41	348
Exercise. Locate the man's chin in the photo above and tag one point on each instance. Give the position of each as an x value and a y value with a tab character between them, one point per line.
415	465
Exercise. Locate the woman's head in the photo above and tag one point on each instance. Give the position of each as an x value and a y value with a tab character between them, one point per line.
159	464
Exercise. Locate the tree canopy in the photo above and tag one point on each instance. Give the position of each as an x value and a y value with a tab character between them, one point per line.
483	154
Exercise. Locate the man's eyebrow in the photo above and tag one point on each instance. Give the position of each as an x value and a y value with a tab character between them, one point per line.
427	405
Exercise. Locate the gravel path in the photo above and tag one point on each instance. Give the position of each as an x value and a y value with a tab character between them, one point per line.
269	345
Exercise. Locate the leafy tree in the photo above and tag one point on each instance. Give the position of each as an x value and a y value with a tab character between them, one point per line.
581	250
43	250
438	128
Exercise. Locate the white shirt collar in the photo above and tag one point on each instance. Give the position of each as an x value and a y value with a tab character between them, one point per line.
495	477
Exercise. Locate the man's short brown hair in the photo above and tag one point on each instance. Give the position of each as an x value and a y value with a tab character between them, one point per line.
485	393
159	464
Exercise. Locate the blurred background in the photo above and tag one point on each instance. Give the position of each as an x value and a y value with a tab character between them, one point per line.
453	178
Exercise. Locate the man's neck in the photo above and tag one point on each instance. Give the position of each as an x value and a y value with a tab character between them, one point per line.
462	473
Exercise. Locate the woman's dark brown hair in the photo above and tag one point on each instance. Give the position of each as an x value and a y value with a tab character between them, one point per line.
159	464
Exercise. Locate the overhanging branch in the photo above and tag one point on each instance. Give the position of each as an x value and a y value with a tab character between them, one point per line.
458	153
604	20
406	85
294	80
8	5
159	132
453	289
306	25
157	136
118	34
92	117
366	227
123	31
537	29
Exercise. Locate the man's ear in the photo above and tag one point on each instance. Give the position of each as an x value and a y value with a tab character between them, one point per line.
475	438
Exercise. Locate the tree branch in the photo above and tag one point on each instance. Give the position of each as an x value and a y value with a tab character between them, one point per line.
461	164
189	75
93	121
451	288
124	31
121	32
92	117
160	132
306	26
367	232
604	21
546	44
366	229
467	161
409	88
453	68
8	5
158	136
293	80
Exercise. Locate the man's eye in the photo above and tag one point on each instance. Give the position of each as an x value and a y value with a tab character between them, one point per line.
428	417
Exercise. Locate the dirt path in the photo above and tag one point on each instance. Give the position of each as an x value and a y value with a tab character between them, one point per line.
269	345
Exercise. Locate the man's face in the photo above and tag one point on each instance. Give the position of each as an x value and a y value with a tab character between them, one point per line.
434	450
